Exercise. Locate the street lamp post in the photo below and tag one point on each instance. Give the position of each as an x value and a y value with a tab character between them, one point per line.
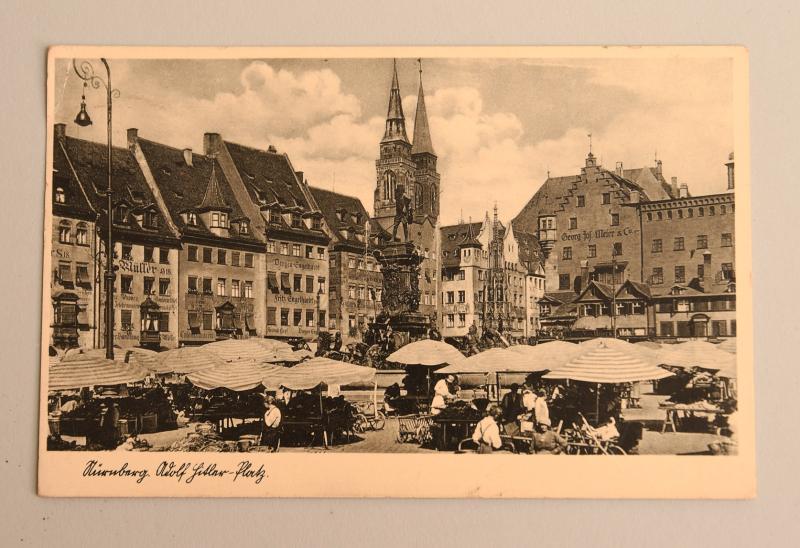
86	73
614	293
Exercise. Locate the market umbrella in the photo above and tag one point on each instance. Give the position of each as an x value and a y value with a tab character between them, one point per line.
548	355
138	356
644	353
237	375
701	354
426	352
85	369
316	371
493	360
649	344
604	365
187	359
246	349
287	356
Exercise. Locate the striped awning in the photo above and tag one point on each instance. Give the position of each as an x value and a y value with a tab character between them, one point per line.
608	366
648	355
493	360
79	370
316	371
188	359
701	354
237	375
426	352
246	349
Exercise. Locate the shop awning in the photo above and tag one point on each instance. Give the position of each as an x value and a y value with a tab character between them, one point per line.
316	371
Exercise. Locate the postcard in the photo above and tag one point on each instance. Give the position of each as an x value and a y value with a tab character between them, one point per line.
494	272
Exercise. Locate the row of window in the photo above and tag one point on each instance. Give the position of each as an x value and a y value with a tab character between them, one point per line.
238	288
126	285
149	254
361	292
573	222
295	220
605	199
295	250
206	255
719	328
156	321
63	274
679	244
591	252
220	320
285	315
360	264
65	233
701	212
627	308
285	282
657	276
696	305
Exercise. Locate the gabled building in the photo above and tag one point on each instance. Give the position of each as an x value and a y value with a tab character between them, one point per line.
684	312
265	183
146	246
602	309
465	261
584	225
412	167
354	297
74	266
222	262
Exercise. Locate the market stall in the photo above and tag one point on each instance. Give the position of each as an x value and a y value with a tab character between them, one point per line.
306	416
255	349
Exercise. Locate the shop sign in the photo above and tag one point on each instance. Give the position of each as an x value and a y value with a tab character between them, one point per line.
291	299
284	264
599	234
134	267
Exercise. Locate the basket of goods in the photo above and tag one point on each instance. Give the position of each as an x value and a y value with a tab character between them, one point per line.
207	441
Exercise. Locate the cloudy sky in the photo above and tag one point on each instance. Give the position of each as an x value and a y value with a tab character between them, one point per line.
498	126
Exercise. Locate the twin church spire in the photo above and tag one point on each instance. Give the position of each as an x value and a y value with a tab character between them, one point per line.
395	119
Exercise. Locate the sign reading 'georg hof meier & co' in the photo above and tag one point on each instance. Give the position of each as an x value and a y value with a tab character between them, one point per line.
599	234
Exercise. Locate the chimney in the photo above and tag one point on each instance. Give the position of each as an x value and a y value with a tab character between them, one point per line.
658	167
271	148
684	191
729	165
584	275
133	137
300	176
634	197
674	186
60	131
212	144
619	169
187	156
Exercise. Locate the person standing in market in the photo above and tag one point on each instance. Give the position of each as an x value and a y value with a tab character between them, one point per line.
108	425
546	441
540	409
487	432
511	405
270	435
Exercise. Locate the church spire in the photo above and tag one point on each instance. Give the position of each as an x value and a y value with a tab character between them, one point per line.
395	120
422	132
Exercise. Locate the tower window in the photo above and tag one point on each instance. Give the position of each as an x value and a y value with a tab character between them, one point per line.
419	196
389	184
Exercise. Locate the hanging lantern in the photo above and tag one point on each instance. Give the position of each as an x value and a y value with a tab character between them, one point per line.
82	119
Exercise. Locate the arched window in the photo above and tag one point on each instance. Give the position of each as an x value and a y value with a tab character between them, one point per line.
64	232
419	196
389	183
82	234
60	195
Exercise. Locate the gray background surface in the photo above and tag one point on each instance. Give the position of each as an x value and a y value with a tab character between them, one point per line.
29	27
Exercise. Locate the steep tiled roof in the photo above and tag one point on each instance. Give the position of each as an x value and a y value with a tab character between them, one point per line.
76	202
530	252
187	188
454	237
339	211
128	183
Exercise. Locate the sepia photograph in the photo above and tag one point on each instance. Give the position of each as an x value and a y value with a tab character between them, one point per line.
528	254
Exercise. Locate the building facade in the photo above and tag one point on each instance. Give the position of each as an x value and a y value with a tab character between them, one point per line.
354	297
222	261
410	168
74	265
296	252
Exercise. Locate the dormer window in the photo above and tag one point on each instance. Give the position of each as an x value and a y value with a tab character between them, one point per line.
219	220
316	223
274	216
297	221
191	219
340	215
151	219
121	213
60	195
244	227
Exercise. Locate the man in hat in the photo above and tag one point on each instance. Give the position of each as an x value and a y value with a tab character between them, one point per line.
546	441
511	405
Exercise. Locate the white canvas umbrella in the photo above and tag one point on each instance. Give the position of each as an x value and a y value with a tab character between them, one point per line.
426	352
604	365
246	349
187	359
701	354
79	370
